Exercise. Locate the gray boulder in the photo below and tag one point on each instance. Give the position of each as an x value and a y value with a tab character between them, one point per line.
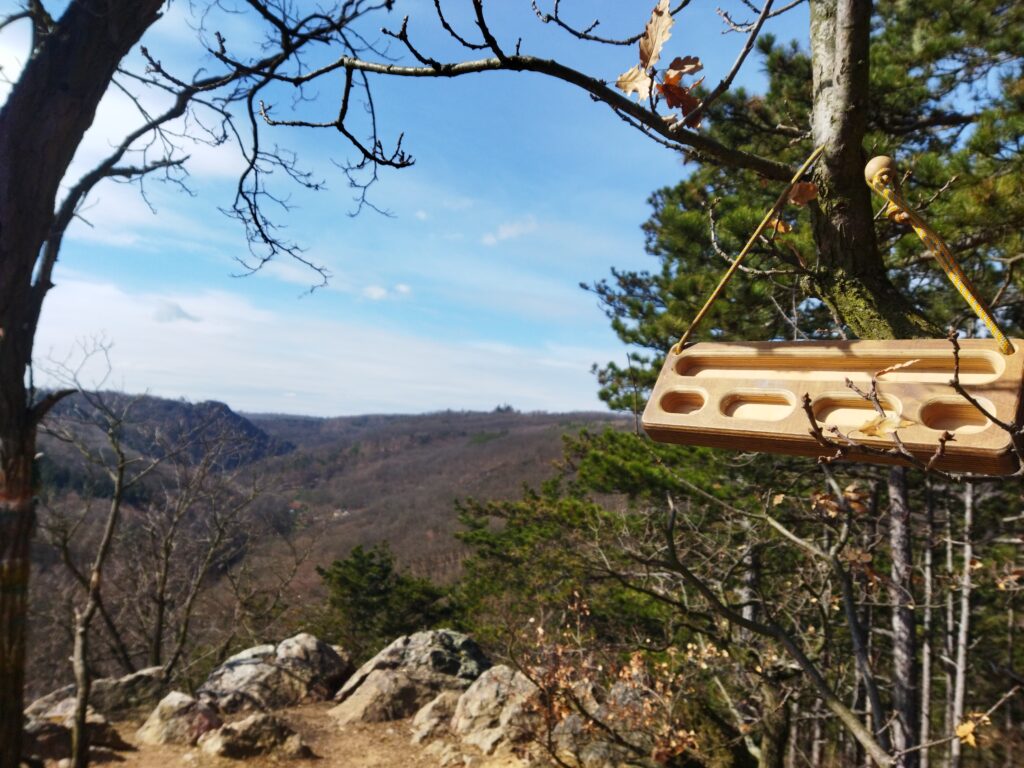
407	674
258	734
178	719
434	718
301	668
117	698
495	711
128	696
44	704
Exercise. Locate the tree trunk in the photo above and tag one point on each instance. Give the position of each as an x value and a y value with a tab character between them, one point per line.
904	642
926	632
17	518
83	618
963	628
1008	722
42	123
851	276
774	728
83	687
949	636
817	741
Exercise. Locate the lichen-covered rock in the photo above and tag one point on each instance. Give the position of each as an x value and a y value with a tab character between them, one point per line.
178	719
301	668
407	674
434	717
259	734
495	710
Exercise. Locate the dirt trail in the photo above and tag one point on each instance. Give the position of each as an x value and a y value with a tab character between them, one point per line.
376	745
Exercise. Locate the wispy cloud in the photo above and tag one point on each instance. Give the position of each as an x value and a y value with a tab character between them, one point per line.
422	215
379	293
510	230
257	360
171	311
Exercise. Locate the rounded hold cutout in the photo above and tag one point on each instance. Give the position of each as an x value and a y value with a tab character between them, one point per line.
956	416
682	402
849	411
772	405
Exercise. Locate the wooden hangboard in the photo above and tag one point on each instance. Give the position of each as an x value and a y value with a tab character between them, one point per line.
748	396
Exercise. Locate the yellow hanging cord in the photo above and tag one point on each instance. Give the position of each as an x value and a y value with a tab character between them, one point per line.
774	212
880	176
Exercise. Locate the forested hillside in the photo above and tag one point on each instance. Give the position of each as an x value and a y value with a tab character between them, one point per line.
268	499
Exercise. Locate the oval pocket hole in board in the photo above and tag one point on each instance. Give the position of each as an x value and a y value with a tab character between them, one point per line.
849	411
956	416
758	406
682	402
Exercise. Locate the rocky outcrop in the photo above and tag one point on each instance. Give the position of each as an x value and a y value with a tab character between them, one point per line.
301	668
125	697
178	719
259	734
407	674
495	711
117	698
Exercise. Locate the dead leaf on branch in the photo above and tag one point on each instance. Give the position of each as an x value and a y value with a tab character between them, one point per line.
682	65
857	556
803	192
779	226
883	426
677	96
680	97
656	34
856	499
965	731
658	30
635	80
825	503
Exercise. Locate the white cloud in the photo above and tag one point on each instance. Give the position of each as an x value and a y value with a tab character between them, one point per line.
422	215
171	311
288	270
375	292
510	230
402	289
260	360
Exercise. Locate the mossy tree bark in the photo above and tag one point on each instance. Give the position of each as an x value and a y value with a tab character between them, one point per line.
850	275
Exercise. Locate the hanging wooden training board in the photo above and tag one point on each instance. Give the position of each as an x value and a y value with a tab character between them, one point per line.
748	396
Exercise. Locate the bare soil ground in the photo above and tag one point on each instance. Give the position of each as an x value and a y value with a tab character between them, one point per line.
377	745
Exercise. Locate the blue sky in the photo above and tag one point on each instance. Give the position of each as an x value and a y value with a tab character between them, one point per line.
466	297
